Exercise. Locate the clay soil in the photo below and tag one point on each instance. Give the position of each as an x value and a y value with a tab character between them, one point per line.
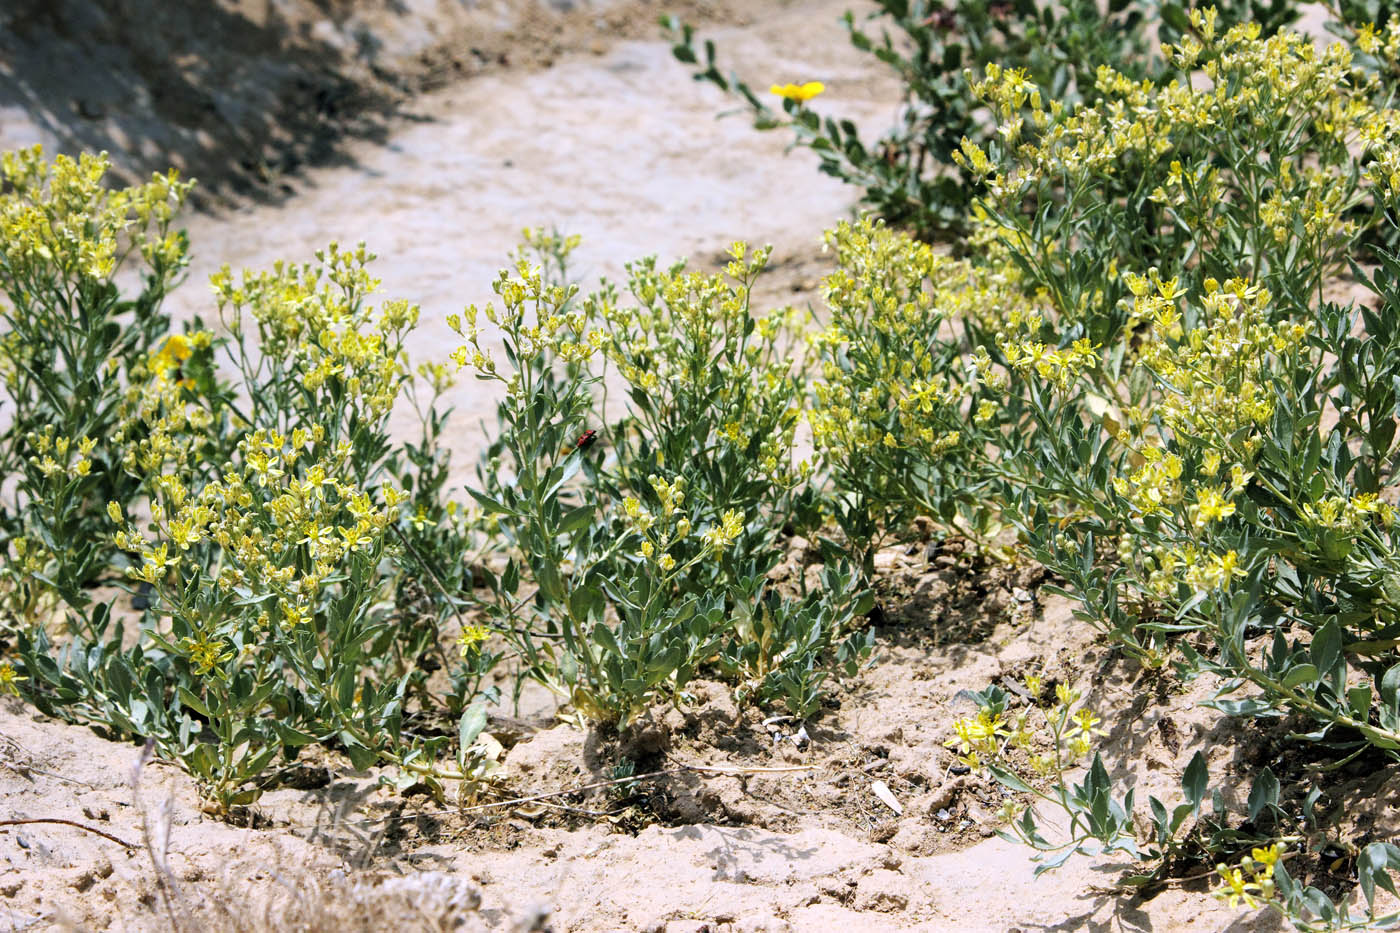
435	131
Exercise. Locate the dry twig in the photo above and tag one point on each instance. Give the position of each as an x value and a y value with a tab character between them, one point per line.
62	822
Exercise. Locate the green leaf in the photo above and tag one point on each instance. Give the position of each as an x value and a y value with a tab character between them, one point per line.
1326	648
193	702
472	723
289	736
1057	860
1174	16
1264	793
491	506
606	640
1193	782
1359	701
1299	675
577	518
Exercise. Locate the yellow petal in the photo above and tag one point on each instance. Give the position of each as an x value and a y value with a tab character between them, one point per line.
809	90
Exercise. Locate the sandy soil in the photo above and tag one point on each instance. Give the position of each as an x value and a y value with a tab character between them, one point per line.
590	126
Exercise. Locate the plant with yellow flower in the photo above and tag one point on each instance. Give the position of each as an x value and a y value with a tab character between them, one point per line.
69	345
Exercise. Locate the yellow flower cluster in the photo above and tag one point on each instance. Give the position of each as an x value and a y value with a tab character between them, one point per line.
315	322
889	297
730	527
159	428
471	639
1384	172
1154	486
31	557
986	736
58	457
533	316
1348	514
1251	880
1218	371
1382	43
284	526
1246	77
1311	105
1201	571
692	339
1062	366
659	540
978	737
9	680
58	219
172	355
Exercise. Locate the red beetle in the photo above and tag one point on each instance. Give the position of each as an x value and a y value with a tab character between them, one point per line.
585	440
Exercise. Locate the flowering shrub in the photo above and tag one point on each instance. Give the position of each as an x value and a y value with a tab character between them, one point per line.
70	342
1153	383
1140	365
714	395
1144	370
258	520
643	564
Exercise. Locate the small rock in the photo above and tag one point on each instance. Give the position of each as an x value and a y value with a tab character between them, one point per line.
909	837
886	560
943	797
882	790
944	815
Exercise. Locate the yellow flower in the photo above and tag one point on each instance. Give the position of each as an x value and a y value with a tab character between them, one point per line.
1087	723
1236	889
1212	506
471	638
206	654
798	92
9	679
173	352
1267	859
